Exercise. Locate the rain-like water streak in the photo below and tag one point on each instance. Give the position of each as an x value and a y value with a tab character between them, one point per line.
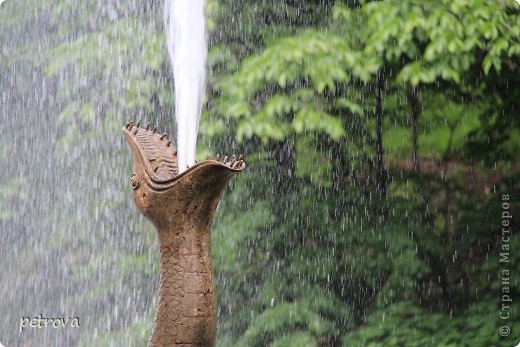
186	35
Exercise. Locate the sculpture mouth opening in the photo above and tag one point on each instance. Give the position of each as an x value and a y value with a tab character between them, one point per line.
156	157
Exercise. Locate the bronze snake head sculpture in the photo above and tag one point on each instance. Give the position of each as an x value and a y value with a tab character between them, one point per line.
181	207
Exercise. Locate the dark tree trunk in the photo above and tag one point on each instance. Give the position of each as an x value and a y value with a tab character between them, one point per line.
283	153
380	154
413	99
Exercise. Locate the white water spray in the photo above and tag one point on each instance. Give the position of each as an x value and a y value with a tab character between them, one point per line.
186	35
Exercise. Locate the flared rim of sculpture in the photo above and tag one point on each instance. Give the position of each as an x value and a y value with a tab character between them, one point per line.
158	157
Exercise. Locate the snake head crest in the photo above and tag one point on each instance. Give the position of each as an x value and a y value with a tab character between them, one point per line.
157	183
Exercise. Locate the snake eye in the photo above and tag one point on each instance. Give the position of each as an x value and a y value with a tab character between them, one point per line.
134	181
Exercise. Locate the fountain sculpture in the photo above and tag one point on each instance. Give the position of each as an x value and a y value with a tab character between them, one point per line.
181	207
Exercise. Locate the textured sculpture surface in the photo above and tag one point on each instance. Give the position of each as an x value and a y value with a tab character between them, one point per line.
181	207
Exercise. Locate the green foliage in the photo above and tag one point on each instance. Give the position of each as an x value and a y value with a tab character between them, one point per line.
92	60
11	190
310	163
410	267
290	82
280	318
406	324
256	24
444	129
295	339
438	40
134	335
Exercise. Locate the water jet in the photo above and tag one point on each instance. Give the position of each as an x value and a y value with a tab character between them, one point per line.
181	207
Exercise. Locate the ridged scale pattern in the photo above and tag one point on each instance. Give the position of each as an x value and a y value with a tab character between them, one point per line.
186	293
